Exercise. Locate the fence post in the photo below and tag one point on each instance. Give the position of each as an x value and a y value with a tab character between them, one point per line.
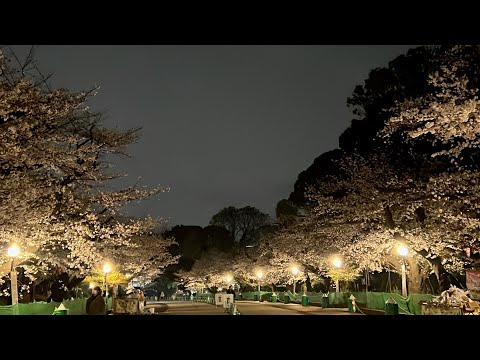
325	301
391	307
304	300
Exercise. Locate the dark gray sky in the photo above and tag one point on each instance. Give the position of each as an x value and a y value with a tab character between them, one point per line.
222	125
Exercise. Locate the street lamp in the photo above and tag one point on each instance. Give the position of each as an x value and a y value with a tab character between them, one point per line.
259	275
295	273
337	262
13	252
402	250
106	269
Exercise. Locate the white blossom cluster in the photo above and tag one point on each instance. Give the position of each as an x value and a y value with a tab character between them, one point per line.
55	199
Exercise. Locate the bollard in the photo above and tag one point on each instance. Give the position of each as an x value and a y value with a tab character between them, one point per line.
352	307
234	310
391	307
61	310
286	299
325	301
273	298
304	300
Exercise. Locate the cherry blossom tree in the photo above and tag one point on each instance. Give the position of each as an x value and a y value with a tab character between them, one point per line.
212	270
55	167
436	217
397	194
374	204
450	116
450	113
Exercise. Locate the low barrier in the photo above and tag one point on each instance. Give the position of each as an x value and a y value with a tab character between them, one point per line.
370	300
75	307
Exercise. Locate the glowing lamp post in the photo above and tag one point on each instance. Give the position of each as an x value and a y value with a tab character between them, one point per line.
259	276
337	262
13	252
402	250
295	273
106	269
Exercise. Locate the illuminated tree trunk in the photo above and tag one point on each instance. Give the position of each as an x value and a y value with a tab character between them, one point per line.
436	270
415	278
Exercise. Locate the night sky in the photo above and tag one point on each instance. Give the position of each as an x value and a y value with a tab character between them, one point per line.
222	125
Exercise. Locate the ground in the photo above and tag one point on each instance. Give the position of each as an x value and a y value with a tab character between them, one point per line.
245	308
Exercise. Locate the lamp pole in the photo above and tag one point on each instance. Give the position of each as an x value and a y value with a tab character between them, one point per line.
106	269
404	279
13	252
259	275
337	262
295	273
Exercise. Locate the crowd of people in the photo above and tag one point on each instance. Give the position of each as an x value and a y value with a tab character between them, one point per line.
96	302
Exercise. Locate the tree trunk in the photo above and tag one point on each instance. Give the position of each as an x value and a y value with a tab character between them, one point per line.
436	270
415	278
32	292
243	238
389	217
308	284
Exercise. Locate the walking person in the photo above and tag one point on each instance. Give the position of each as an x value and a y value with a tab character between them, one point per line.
141	301
96	303
231	291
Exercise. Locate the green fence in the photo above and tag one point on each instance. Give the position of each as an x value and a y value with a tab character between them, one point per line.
370	300
409	305
75	307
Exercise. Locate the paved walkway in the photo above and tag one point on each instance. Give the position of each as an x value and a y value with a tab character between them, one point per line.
267	308
184	308
244	306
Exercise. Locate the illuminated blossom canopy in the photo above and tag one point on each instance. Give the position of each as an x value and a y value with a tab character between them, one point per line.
58	199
